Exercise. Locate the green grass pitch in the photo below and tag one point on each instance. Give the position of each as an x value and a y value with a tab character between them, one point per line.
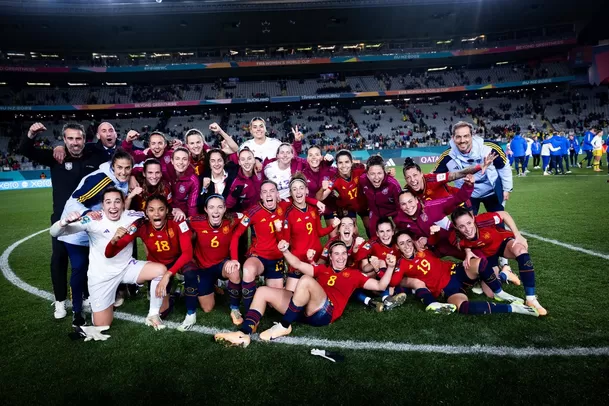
40	365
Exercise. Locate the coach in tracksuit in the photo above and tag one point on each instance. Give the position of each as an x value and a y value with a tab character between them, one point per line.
493	187
587	148
65	177
519	149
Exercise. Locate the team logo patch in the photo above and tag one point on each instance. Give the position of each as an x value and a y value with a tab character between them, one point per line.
182	189
279	211
420	254
85	220
346	274
132	229
424	216
313	214
171	233
68	166
486	235
441	177
299	220
151	235
107	231
245	221
225	229
356	181
385	191
167	159
367	246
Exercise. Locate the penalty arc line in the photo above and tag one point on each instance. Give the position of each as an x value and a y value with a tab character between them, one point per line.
503	351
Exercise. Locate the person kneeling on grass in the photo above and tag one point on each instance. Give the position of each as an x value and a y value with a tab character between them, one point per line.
105	274
322	294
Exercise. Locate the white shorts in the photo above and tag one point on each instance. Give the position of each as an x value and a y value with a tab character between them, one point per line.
103	294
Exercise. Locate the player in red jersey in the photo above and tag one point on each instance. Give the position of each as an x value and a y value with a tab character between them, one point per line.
372	254
319	299
167	242
264	258
195	142
346	187
432	186
371	257
214	232
302	226
430	278
346	234
483	236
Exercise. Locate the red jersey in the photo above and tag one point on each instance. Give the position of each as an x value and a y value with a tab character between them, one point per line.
376	248
303	229
435	186
489	237
339	286
264	237
351	262
198	164
212	245
428	268
139	202
348	191
169	245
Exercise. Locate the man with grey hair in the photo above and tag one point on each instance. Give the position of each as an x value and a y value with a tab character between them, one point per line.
493	187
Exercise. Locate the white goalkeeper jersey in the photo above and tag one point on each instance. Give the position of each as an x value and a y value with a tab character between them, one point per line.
100	233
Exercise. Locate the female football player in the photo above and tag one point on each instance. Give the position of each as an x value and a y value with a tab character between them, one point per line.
302	226
482	236
184	183
105	274
213	232
167	242
319	299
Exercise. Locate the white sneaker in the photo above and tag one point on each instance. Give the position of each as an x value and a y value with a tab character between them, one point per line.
189	321
546	174
275	332
503	296
86	305
60	309
568	171
524	309
503	261
155	322
441	308
527	171
477	289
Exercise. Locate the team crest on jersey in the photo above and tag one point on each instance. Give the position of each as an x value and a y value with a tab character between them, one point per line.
225	229
85	220
182	189
171	233
486	235
68	166
346	274
279	211
356	181
132	229
313	214
167	159
424	216
420	254
245	221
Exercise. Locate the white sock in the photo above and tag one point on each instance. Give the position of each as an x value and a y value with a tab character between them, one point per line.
155	302
384	297
366	300
531	297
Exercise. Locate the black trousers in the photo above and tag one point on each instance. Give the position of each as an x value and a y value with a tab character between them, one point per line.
59	269
536	159
573	157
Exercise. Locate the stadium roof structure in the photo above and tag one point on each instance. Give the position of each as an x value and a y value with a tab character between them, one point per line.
116	25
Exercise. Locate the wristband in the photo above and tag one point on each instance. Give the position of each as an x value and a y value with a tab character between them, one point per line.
478	168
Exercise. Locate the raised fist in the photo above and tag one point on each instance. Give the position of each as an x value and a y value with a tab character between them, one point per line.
390	260
214	127
132	135
35	129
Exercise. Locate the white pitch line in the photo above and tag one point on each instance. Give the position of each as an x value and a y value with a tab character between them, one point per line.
564	245
502	351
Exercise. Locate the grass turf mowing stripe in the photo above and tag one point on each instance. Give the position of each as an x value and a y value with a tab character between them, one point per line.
502	351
